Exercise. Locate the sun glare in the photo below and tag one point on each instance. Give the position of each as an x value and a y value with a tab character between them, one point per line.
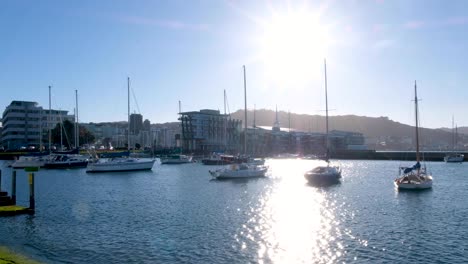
293	46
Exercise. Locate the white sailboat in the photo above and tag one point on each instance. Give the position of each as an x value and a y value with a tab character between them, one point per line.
414	177
453	157
323	175
121	164
246	169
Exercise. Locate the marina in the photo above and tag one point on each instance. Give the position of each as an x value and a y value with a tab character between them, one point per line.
320	154
180	214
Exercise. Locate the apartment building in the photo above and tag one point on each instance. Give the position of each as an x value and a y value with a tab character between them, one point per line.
25	124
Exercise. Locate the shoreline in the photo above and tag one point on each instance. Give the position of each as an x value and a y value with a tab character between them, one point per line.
8	256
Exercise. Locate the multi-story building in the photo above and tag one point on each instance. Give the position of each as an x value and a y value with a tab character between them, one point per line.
208	131
136	123
26	124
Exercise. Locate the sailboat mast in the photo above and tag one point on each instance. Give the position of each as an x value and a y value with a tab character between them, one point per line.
245	113
225	123
49	121
128	112
326	111
417	121
453	135
77	127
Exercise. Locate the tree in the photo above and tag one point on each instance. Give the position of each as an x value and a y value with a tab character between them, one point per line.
68	134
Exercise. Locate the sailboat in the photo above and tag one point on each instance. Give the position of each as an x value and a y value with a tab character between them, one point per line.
414	177
121	164
323	175
453	156
244	169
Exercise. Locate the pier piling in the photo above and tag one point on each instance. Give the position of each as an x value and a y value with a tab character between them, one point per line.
13	187
32	202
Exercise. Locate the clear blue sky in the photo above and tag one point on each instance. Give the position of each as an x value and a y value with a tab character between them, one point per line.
192	50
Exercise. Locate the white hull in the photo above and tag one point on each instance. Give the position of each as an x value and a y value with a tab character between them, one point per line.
424	182
454	158
240	171
24	162
126	164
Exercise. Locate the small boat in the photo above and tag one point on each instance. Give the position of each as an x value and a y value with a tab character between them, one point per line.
236	171
222	159
415	177
72	151
66	161
176	159
29	161
120	164
256	161
324	175
454	157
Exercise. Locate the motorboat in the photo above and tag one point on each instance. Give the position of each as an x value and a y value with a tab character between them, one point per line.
454	157
176	159
29	161
223	159
243	170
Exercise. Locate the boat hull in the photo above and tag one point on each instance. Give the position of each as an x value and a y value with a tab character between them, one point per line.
414	186
66	165
176	160
413	182
233	173
454	159
323	176
119	166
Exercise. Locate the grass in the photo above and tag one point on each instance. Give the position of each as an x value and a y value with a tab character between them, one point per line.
9	257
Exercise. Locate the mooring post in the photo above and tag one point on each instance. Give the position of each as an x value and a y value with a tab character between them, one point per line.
32	203
13	187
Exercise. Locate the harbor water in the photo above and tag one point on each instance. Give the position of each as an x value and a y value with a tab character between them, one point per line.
177	214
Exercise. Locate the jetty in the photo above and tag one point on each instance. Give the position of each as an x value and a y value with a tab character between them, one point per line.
8	206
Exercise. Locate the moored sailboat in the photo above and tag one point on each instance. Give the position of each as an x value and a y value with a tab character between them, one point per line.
324	175
414	177
121	164
454	157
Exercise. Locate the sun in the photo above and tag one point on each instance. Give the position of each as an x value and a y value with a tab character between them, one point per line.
292	46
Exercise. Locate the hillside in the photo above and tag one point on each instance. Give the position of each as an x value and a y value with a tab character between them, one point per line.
375	129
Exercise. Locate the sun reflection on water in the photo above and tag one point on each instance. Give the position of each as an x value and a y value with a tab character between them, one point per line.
292	221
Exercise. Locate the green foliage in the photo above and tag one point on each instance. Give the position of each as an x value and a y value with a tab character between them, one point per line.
68	134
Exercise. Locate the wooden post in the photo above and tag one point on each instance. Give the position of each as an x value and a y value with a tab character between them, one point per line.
13	187
32	203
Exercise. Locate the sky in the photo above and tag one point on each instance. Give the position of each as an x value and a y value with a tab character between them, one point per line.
193	50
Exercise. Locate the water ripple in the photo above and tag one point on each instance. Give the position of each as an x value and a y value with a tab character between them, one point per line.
176	214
